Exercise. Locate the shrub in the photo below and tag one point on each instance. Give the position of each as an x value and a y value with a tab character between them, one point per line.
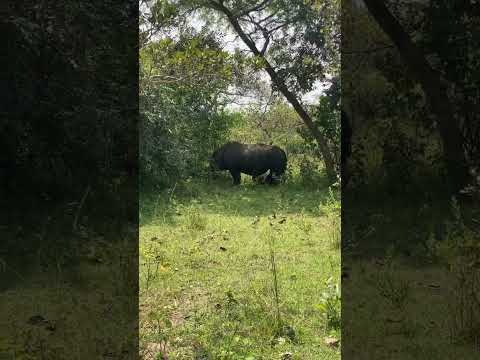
330	305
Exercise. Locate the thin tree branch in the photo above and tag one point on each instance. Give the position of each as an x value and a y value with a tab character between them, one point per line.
257	7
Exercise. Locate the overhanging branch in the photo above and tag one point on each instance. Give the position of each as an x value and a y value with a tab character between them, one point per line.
258	7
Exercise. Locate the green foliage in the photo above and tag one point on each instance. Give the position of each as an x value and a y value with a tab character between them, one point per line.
296	44
195	220
326	116
331	209
61	127
445	25
275	124
182	118
328	119
313	30
378	87
309	171
460	253
330	306
393	289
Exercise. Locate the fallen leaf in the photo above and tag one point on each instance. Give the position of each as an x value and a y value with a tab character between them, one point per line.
390	320
36	320
332	342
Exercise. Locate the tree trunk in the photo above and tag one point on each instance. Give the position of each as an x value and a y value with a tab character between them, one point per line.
346	146
290	96
321	140
434	89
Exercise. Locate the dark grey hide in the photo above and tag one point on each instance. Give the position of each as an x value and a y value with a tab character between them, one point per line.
264	162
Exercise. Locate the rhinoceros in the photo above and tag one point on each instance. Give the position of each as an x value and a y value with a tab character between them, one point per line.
268	162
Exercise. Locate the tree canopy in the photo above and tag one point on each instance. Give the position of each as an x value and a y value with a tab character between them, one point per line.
408	70
295	45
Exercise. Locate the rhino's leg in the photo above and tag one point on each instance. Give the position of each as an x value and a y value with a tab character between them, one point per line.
274	178
260	179
236	176
269	178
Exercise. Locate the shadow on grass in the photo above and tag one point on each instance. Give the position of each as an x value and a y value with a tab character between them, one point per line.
395	283
39	236
220	196
375	220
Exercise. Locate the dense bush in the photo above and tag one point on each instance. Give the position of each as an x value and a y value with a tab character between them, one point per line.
182	116
175	141
69	114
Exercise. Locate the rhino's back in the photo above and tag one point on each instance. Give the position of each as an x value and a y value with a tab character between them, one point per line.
254	159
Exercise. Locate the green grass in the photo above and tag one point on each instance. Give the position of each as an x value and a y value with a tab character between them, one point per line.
238	272
401	301
408	315
75	290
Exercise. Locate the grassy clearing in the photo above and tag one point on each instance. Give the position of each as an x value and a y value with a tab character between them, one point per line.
65	304
408	315
238	272
410	300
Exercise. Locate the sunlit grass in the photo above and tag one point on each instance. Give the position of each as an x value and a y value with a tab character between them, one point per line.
207	259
